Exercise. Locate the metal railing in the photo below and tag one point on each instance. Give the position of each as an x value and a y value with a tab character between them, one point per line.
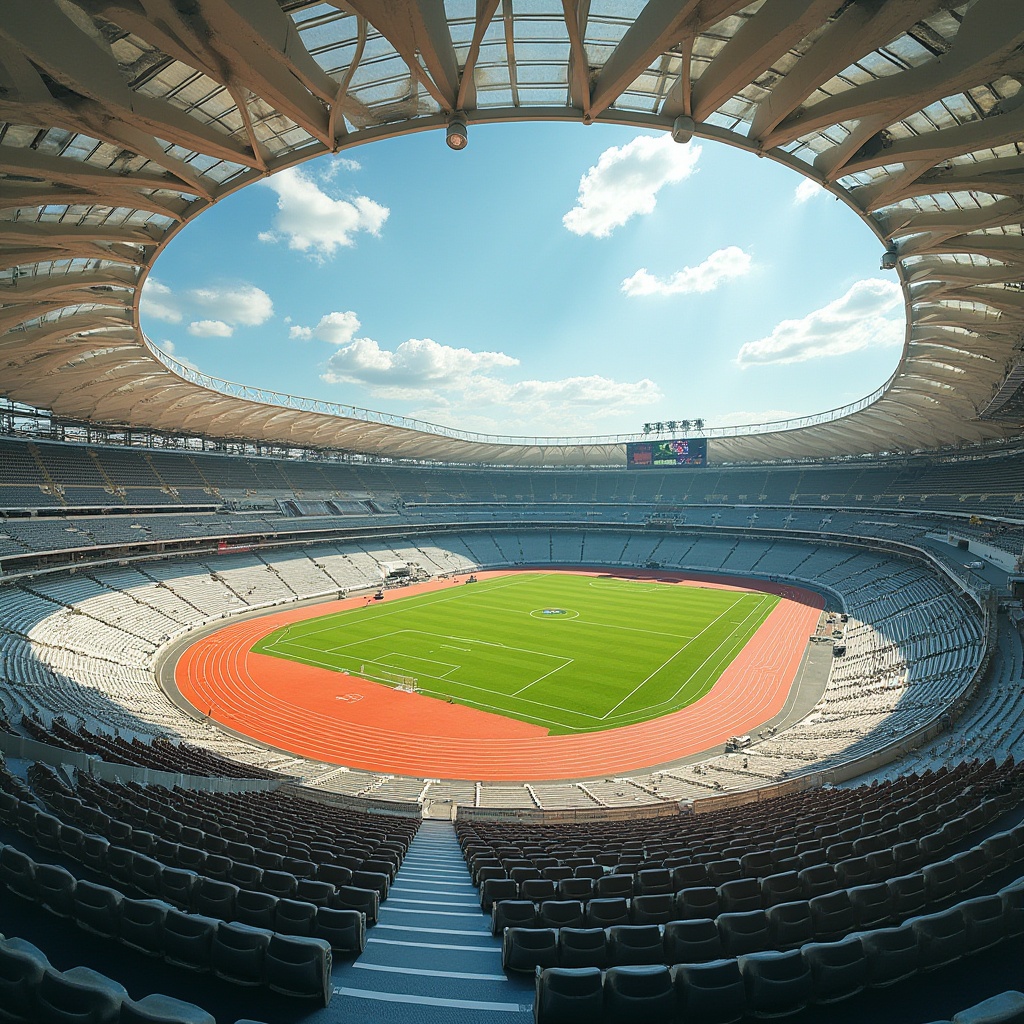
266	396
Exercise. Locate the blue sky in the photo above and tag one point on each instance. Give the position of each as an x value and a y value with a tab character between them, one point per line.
550	279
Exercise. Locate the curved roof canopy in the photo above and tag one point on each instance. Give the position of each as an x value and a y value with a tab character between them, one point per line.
124	119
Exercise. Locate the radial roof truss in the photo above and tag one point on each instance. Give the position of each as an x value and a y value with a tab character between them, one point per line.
125	119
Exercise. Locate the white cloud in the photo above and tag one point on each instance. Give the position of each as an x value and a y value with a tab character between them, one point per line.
807	189
626	180
596	392
336	328
853	322
740	419
158	302
234	303
415	364
721	265
314	222
210	329
457	385
571	406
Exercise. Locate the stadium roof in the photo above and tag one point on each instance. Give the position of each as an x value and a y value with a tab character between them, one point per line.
125	119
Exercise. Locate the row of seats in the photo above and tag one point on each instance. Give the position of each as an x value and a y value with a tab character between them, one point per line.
824	816
776	983
297	965
677	929
181	870
159	753
853	861
323	861
343	928
32	991
660	902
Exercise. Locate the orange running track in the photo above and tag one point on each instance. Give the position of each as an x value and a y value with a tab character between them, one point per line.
343	719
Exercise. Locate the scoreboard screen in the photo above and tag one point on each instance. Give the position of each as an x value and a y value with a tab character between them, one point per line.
666	454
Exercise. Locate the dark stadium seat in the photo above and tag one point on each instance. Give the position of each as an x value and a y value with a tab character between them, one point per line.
56	888
142	925
832	915
739	895
783	887
652	909
872	905
582	947
97	908
22	967
256	908
299	966
697	902
790	924
892	955
560	914
941	938
18	873
161	1009
1012	898
188	939
635	944
743	932
776	983
237	952
639	993
614	885
569	996
602	913
512	914
984	922
838	969
525	949
713	993
692	942
76	995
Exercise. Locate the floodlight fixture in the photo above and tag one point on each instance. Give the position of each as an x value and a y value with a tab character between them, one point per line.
682	128
889	258
457	135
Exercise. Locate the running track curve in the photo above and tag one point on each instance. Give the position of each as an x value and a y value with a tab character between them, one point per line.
372	727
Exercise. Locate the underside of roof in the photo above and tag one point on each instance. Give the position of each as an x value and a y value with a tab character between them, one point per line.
122	120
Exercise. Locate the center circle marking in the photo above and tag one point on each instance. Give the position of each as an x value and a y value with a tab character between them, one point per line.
545	613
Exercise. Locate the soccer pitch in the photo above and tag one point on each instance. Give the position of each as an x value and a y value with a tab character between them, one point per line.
570	653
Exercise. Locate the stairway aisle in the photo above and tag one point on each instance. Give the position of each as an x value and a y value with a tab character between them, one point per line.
432	958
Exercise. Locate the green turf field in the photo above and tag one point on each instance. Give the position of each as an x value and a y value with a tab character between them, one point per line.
615	651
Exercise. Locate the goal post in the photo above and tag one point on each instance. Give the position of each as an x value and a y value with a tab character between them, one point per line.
403	683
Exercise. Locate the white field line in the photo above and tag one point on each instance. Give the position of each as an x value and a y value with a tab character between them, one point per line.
726	643
558	668
672	657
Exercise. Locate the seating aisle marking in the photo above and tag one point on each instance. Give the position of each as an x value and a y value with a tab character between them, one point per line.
456	1004
431	974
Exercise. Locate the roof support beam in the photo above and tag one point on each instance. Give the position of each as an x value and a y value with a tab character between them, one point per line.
859	29
659	27
765	37
485	10
575	13
984	48
416	27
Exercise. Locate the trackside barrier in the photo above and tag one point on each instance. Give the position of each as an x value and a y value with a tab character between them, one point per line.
537	816
33	750
366	805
